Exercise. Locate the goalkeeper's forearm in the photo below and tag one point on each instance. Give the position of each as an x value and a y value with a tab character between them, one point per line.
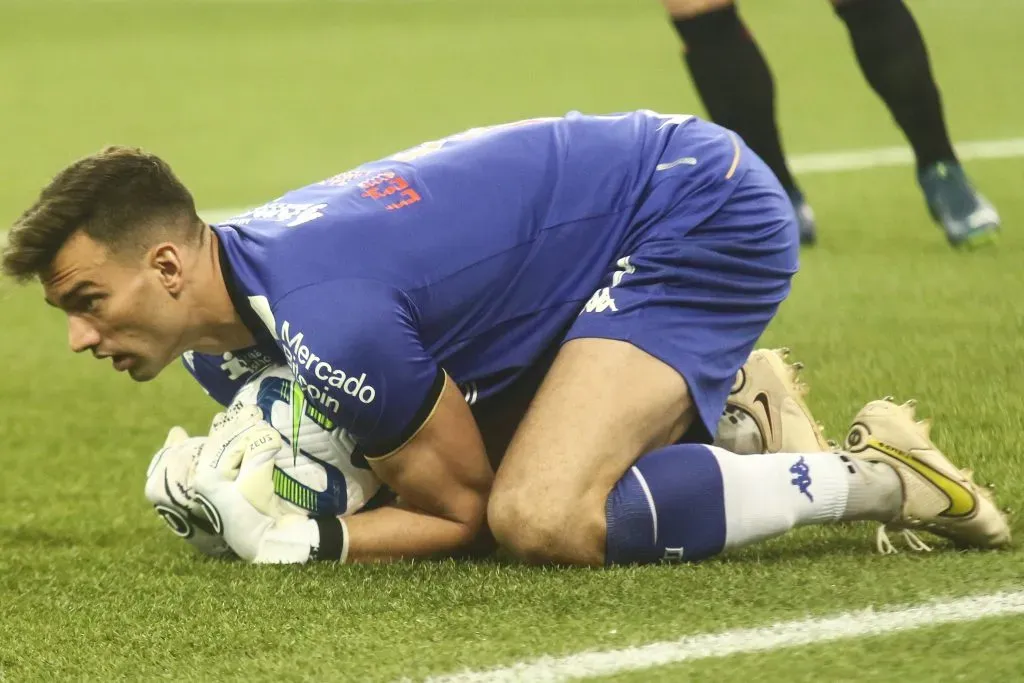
382	535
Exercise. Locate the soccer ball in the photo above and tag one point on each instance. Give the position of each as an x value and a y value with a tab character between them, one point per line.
318	470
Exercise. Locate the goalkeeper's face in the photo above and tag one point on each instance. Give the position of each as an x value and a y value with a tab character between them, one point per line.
120	306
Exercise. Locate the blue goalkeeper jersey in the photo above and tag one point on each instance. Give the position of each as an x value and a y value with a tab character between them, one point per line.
470	255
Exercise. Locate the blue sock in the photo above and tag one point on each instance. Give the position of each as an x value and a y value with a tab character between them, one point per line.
670	505
689	502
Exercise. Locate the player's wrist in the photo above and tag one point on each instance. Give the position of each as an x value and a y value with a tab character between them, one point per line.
302	540
332	540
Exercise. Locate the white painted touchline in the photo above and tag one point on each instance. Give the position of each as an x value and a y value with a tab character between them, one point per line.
858	160
782	635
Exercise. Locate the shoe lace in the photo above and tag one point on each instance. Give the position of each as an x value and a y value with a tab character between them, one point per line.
885	545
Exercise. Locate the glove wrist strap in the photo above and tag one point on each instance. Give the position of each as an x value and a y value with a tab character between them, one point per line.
332	543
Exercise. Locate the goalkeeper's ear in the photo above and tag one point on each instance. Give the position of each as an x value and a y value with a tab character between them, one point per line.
175	436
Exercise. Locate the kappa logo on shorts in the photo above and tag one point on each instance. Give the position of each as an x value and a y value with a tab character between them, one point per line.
601	301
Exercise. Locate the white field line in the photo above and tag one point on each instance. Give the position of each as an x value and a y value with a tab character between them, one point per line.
822	162
858	160
833	162
782	635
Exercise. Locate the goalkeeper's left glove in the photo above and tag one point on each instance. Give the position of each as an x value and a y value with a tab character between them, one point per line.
169	481
234	484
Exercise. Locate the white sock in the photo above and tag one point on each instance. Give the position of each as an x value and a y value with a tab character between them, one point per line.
768	494
876	492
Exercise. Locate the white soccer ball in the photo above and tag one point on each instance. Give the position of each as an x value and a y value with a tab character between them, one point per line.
318	471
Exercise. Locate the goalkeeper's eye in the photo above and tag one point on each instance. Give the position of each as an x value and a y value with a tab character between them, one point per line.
90	304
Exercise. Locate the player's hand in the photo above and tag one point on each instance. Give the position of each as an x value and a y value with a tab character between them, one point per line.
234	485
169	487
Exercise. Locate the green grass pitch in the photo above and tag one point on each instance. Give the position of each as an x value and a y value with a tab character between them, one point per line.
248	99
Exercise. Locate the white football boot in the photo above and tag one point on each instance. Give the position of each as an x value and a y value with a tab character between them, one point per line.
765	411
937	496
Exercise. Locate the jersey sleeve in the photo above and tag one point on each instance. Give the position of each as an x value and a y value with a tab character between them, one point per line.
221	376
354	348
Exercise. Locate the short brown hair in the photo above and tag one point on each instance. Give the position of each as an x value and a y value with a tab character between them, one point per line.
116	197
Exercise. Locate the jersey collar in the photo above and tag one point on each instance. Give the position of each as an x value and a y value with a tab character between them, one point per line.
264	338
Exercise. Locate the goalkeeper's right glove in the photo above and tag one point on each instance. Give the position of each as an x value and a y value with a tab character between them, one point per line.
169	487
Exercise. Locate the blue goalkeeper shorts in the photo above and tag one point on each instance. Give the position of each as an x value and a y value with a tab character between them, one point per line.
699	297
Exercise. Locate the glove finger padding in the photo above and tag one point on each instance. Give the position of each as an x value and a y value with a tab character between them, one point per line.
225	448
235	487
175	436
169	488
238	417
234	479
256	481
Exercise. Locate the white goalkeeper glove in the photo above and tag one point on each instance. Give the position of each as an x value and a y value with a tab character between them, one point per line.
169	482
234	485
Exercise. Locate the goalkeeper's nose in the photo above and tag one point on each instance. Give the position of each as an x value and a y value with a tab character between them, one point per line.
82	336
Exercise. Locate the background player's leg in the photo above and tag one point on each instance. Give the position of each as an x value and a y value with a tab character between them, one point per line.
735	85
893	57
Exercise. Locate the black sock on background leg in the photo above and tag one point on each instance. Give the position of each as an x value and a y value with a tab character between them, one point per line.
734	82
892	54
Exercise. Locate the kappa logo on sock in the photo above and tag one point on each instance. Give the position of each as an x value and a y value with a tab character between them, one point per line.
802	478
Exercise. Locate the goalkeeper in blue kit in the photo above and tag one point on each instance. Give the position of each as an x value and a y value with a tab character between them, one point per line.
636	258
